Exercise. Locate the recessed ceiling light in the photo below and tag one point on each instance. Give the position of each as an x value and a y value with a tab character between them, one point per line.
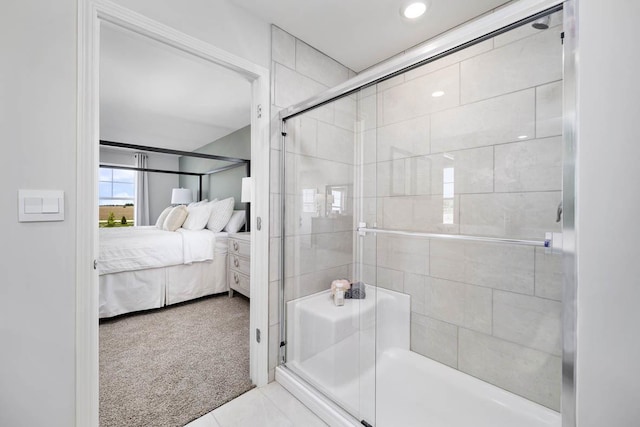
437	93
414	10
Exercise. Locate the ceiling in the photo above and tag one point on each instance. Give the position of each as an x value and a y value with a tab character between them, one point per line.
361	33
156	95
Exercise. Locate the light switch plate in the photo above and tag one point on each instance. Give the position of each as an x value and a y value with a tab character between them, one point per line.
40	205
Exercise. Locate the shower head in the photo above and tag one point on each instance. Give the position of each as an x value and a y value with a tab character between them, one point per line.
541	23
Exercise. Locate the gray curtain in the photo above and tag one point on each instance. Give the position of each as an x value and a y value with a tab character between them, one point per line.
141	208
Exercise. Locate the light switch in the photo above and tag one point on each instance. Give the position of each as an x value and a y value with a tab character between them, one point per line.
50	205
40	205
32	205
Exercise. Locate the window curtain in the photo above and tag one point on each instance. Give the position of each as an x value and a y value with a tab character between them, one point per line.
141	207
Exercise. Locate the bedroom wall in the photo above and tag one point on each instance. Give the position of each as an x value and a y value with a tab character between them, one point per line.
224	184
160	184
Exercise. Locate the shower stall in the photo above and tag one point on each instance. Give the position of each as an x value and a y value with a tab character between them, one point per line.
435	188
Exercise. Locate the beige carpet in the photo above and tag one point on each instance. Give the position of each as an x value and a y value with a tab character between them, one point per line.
169	366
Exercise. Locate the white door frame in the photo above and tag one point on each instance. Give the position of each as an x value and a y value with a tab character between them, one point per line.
90	14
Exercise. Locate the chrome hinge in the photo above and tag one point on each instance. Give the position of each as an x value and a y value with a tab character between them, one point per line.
258	335
259	223
259	111
95	264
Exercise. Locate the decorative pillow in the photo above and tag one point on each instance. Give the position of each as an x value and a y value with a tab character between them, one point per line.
220	213
198	216
176	218
200	203
237	220
163	216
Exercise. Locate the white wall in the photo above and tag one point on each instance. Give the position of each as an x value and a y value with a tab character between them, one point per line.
608	217
218	22
37	289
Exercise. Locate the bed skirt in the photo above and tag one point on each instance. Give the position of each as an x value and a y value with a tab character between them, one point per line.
130	291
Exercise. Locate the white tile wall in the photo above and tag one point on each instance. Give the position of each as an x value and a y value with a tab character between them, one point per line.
414	99
548	274
531	373
549	110
534	165
529	62
318	66
461	304
494	265
529	321
404	139
434	339
514	215
492	121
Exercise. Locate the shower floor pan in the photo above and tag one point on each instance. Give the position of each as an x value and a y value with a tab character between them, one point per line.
356	363
412	390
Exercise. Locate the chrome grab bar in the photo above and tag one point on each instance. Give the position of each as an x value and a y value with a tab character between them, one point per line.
541	243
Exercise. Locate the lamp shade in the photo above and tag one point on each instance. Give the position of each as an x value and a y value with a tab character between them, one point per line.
180	196
247	190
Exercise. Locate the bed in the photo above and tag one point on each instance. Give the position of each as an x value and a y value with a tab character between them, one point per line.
141	268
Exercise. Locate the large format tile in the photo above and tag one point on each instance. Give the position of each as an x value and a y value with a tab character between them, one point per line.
295	411
251	409
494	265
319	66
549	110
292	87
404	177
451	59
548	274
408	254
530	373
415	285
335	143
514	215
404	139
302	135
283	47
419	213
490	122
472	170
530	321
529	166
414	98
461	304
207	420
310	283
368	112
434	339
526	63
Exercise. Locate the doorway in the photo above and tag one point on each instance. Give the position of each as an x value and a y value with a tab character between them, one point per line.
92	16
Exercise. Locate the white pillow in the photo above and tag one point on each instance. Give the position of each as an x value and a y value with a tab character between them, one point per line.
176	218
163	216
236	221
200	203
198	216
220	213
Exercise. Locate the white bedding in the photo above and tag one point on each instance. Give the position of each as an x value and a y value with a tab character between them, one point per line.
139	248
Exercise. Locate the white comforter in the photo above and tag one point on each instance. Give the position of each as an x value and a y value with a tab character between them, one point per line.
138	248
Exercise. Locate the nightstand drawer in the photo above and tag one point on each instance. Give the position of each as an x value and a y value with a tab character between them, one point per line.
239	282
239	247
240	264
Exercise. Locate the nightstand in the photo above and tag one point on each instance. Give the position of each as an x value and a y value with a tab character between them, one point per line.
238	273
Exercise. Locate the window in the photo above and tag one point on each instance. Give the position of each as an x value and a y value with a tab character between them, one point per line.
116	186
116	197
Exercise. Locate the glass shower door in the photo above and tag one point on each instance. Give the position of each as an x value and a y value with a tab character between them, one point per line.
330	342
461	173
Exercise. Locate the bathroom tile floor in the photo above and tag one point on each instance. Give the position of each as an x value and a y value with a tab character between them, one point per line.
268	406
